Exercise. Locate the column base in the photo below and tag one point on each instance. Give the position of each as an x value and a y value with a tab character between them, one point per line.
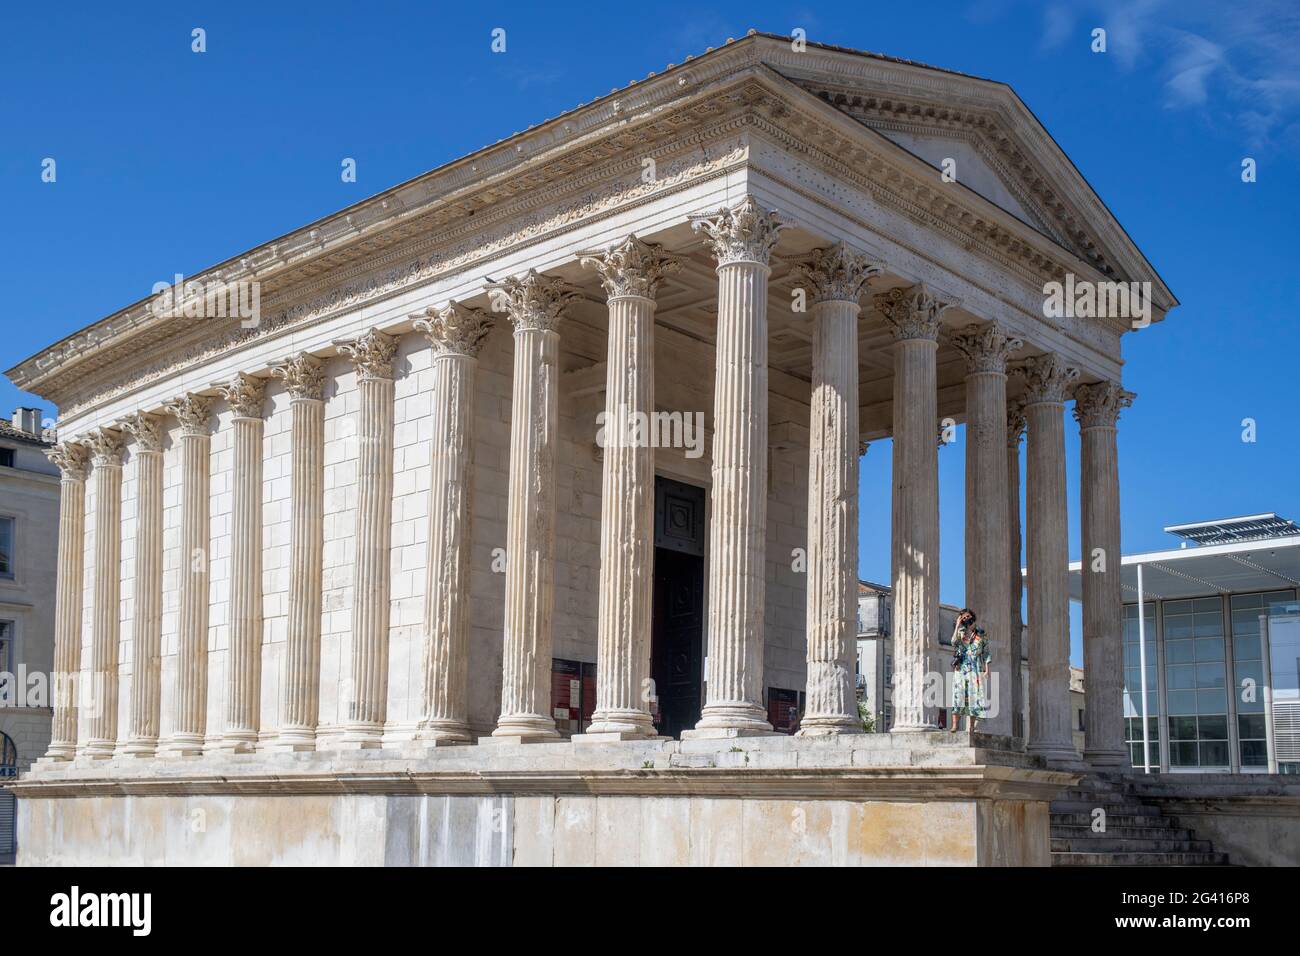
362	737
633	723
499	740
99	749
59	754
294	740
733	719
1106	758
826	726
525	726
186	745
1056	754
443	734
239	742
140	747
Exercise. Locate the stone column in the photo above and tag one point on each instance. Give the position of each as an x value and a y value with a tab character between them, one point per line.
194	413
304	380
106	455
833	280
72	459
987	348
146	628
456	334
372	355
741	240
534	304
1097	408
631	273
913	314
1047	550
1015	431
244	663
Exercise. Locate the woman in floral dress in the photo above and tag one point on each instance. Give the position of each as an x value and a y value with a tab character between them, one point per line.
970	665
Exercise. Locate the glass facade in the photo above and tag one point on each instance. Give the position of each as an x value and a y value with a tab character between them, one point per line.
1205	682
1133	685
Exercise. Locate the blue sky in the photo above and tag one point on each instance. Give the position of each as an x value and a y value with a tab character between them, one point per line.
169	161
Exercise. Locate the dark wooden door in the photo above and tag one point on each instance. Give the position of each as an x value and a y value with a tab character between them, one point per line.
677	643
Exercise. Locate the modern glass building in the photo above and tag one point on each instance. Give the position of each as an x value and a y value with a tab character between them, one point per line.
1218	619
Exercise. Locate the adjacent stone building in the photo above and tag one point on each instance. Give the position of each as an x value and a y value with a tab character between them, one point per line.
29	522
562	438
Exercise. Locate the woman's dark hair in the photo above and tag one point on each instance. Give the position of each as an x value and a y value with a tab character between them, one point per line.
964	612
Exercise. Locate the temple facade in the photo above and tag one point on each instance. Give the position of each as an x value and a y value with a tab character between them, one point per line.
518	520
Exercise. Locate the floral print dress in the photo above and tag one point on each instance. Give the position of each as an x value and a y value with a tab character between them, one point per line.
970	654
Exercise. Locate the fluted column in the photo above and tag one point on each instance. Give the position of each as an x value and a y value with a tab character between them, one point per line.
534	304
106	455
304	380
1015	431
372	354
833	281
741	240
986	348
1097	408
244	662
631	273
72	459
913	315
1047	549
456	334
146	627
194	413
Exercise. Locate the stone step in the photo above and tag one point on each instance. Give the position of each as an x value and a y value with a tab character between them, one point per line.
1080	831
1110	844
1112	820
1139	859
1127	808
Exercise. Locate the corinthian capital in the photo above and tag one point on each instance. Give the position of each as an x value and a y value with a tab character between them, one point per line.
912	313
837	274
454	329
1099	404
745	233
1047	378
106	447
986	347
194	412
1016	422
245	395
633	267
532	301
304	376
372	354
72	459
146	429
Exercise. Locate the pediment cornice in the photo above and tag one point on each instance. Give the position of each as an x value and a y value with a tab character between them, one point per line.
525	189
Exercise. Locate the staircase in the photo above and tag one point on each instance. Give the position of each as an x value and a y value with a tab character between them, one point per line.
1137	833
